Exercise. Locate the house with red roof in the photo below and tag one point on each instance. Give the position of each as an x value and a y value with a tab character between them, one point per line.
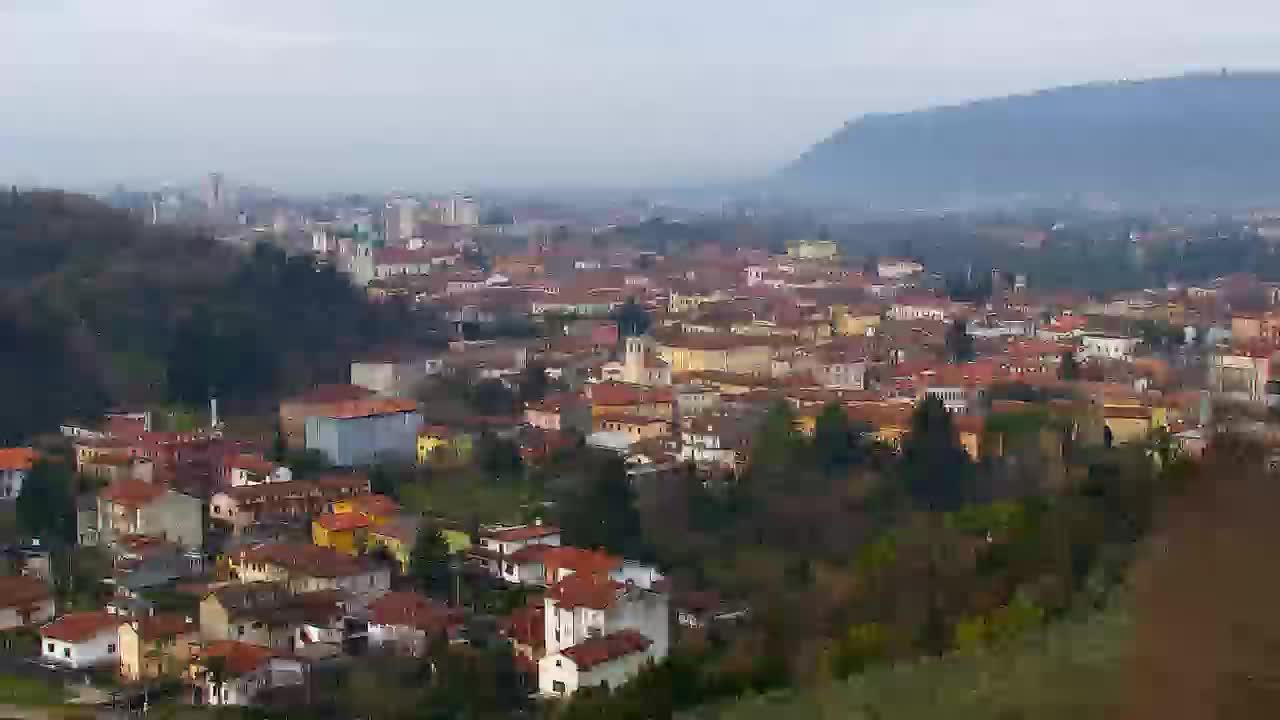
154	645
607	661
81	640
497	545
134	507
241	671
304	567
406	622
582	612
24	601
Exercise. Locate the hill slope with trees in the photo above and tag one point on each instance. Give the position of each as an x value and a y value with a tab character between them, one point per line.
98	309
1194	138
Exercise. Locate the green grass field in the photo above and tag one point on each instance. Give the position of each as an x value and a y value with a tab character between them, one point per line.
1067	672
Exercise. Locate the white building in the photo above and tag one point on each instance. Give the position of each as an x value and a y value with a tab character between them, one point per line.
605	662
894	269
499	550
81	640
1107	347
598	630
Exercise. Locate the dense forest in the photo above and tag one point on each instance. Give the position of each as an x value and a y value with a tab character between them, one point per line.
98	309
1194	138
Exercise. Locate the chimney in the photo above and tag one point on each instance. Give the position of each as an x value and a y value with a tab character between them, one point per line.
213	413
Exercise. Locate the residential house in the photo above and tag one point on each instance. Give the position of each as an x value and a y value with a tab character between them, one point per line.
134	507
599	631
499	543
1101	346
295	410
525	629
243	507
366	432
897	268
304	568
621	398
242	671
111	467
15	465
24	602
156	645
606	662
246	469
855	320
1132	423
636	427
81	640
641	365
404	623
398	537
266	613
1243	372
346	526
391	374
709	441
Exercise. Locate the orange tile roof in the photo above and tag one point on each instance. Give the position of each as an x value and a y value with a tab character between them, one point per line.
413	610
76	627
344	521
596	651
17	458
585	590
133	493
305	559
240	657
375	505
352	409
164	625
580	560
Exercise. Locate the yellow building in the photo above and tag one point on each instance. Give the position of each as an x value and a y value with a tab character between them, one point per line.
155	645
854	320
1129	423
345	532
699	352
813	250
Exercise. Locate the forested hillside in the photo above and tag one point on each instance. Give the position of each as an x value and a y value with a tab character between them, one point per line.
1197	138
98	309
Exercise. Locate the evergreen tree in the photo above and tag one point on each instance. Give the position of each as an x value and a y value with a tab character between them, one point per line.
836	446
429	561
1069	369
959	342
46	505
631	318
935	468
603	513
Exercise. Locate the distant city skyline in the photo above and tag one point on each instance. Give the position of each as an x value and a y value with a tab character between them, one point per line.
312	95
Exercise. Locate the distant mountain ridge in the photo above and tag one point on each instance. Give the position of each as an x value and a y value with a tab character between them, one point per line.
1194	138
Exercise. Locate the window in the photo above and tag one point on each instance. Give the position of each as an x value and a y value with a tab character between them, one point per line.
557	687
66	652
111	649
50	647
559	664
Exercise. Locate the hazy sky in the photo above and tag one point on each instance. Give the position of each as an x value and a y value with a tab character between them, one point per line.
422	95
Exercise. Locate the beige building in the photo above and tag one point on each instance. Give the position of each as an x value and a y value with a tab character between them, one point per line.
699	352
157	645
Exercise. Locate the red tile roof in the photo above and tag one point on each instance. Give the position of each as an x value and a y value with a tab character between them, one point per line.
368	408
305	559
597	651
585	590
77	627
164	625
344	521
580	560
17	458
240	657
375	505
413	610
133	493
530	553
18	591
525	532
